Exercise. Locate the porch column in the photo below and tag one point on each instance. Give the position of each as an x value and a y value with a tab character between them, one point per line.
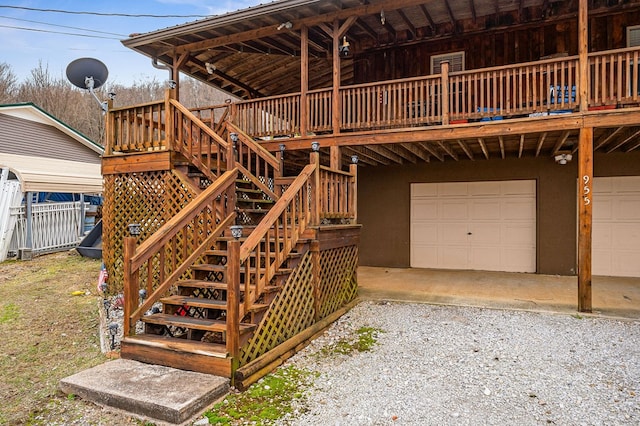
335	153
304	79
583	54
29	214
585	209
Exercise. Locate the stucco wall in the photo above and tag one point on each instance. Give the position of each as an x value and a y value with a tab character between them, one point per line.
384	203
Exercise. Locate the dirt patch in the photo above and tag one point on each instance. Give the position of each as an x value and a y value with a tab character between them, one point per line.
49	325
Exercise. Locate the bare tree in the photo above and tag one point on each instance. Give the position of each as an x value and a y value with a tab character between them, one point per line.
8	84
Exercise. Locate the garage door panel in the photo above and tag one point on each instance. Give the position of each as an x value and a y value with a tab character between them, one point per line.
480	225
424	210
454	209
616	226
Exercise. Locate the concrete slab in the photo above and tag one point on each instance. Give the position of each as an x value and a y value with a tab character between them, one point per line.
150	391
612	296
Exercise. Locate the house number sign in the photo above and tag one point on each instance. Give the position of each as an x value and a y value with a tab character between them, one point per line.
586	190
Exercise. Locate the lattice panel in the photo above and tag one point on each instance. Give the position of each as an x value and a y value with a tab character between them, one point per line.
289	314
150	199
338	284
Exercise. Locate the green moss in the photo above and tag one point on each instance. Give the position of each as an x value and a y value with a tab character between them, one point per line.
265	401
364	340
9	312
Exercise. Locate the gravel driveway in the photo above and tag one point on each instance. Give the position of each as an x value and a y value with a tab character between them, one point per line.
469	366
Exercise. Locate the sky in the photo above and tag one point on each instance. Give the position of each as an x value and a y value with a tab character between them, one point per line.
28	37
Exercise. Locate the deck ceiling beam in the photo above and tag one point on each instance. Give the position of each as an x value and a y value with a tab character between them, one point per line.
607	138
541	139
385	153
432	151
466	149
451	17
561	140
397	149
408	23
250	91
521	146
446	148
501	142
415	150
483	146
624	141
353	12
472	6
369	153
427	15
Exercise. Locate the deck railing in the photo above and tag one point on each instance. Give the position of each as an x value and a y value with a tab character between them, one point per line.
136	128
214	116
549	86
338	194
157	263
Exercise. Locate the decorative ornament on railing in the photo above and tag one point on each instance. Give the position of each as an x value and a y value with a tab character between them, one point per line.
315	146
134	229
354	159
236	231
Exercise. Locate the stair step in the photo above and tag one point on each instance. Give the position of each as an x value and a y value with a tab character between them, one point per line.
180	345
262	254
254	200
194	323
248	190
202	284
256	307
196	302
221	268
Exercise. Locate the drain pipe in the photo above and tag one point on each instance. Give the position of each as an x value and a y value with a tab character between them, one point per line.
154	62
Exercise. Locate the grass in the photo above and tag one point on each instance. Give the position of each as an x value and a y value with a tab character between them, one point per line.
47	334
364	340
266	401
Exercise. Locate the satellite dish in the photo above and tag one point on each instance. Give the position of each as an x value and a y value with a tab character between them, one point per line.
87	73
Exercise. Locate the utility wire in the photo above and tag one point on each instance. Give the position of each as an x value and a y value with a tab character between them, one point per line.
58	32
126	15
63	26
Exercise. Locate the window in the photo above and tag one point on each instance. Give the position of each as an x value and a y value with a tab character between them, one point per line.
455	59
633	36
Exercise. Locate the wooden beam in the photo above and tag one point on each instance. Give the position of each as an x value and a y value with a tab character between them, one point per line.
432	151
466	149
427	15
605	139
335	97
484	148
384	152
561	140
472	6
501	142
446	148
408	23
396	149
362	10
585	218
583	51
415	150
450	13
540	142
304	79
624	141
521	146
374	156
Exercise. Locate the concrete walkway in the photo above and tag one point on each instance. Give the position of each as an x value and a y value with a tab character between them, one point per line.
612	296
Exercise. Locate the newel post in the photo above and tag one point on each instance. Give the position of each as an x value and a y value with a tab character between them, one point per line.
316	202
131	279
109	126
444	81
279	173
169	125
233	301
353	199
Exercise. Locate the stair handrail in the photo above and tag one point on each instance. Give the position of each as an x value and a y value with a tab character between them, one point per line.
197	224
254	161
292	210
196	147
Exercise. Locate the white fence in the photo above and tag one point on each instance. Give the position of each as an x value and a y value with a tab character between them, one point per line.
55	227
10	195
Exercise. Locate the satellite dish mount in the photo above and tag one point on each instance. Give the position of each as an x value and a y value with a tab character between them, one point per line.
90	74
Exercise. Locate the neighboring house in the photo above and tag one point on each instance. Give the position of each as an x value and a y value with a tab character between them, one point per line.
490	134
55	170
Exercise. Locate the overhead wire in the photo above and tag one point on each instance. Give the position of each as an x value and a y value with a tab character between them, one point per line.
57	32
62	26
125	15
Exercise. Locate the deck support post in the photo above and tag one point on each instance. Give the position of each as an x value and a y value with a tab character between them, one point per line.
304	79
233	302
169	125
315	261
353	199
130	285
315	190
585	209
583	54
444	76
335	154
335	98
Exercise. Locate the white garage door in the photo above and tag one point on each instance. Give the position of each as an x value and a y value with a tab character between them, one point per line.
487	226
616	226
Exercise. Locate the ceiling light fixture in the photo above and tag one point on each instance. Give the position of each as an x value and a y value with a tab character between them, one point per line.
288	25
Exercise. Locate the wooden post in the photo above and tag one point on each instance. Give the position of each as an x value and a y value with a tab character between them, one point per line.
109	127
279	172
335	104
335	154
585	209
131	284
233	301
29	214
304	79
169	129
583	54
353	201
444	82
314	247
316	204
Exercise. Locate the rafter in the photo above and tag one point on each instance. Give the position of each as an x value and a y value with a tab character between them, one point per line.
408	23
624	141
371	154
397	149
501	141
446	148
217	73
484	148
521	146
561	140
432	151
540	142
466	149
450	13
413	148
472	6
383	151
427	15
606	139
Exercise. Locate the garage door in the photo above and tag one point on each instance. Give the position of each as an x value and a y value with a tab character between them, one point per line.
616	226
487	226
